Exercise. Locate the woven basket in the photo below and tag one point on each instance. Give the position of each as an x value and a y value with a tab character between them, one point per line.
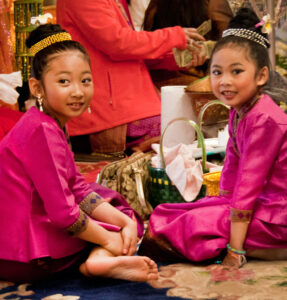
161	188
211	181
214	114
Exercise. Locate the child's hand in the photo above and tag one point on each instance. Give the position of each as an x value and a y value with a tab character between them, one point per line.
129	235
230	262
114	243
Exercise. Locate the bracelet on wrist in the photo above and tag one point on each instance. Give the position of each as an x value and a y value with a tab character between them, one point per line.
241	252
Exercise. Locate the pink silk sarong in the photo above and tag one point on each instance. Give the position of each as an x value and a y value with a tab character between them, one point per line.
253	182
200	230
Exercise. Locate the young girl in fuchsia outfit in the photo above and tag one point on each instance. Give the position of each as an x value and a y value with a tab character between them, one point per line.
123	89
250	215
52	218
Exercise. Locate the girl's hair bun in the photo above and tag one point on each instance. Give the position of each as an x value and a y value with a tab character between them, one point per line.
246	18
41	32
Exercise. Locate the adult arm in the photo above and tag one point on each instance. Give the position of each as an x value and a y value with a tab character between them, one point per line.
100	22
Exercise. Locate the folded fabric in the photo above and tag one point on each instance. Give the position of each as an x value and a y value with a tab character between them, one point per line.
8	83
182	169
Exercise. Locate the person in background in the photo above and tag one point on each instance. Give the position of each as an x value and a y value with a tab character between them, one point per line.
186	13
7	59
53	220
249	217
137	10
125	109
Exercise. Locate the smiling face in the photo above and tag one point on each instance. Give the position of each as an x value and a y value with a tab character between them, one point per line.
234	77
66	85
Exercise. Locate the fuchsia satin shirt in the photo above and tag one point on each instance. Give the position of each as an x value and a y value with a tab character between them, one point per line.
40	189
256	176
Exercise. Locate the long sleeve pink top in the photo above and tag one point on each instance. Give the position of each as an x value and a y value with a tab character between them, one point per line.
255	174
40	191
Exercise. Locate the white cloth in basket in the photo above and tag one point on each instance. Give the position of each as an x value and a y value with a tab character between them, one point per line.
182	169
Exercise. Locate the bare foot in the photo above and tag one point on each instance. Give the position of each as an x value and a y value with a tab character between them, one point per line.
132	268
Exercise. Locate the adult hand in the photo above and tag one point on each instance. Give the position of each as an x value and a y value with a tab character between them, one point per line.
129	236
197	60
192	34
191	37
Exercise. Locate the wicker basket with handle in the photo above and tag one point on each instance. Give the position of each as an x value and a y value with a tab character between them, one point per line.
161	188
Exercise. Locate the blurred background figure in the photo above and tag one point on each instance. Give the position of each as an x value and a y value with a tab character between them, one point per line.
7	61
125	110
137	10
186	13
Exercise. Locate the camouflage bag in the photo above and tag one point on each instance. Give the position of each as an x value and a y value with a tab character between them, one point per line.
129	177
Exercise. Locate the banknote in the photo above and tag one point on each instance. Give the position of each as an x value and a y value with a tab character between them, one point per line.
184	57
204	28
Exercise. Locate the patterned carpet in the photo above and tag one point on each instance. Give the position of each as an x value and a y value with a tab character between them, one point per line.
74	287
257	280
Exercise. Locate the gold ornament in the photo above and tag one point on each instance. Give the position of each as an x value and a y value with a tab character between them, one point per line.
52	39
39	100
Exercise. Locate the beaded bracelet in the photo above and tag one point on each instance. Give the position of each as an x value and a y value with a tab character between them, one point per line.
241	252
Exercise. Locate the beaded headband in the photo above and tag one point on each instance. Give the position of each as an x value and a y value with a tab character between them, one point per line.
52	39
247	34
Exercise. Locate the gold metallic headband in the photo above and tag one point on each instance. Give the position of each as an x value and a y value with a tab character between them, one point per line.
247	34
52	39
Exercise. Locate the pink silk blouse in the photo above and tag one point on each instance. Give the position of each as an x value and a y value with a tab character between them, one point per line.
40	191
255	175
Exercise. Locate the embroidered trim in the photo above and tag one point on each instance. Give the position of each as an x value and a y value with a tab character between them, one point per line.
90	202
80	225
237	215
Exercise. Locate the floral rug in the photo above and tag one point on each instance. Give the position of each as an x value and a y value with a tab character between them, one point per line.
257	280
77	287
90	170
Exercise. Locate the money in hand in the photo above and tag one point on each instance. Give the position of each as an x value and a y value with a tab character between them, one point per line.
184	57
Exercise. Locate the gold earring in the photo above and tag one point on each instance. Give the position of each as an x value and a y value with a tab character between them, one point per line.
89	110
39	100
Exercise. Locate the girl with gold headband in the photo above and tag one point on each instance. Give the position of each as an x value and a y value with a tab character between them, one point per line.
249	218
125	109
53	220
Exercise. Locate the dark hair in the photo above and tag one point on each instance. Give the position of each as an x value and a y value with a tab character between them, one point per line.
247	19
276	86
165	13
41	58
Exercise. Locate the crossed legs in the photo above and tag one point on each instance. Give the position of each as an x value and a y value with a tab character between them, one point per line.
133	268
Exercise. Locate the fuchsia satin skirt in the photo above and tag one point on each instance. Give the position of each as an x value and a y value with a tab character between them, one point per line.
200	231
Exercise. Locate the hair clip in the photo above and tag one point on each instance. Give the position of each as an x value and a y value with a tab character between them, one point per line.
266	24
